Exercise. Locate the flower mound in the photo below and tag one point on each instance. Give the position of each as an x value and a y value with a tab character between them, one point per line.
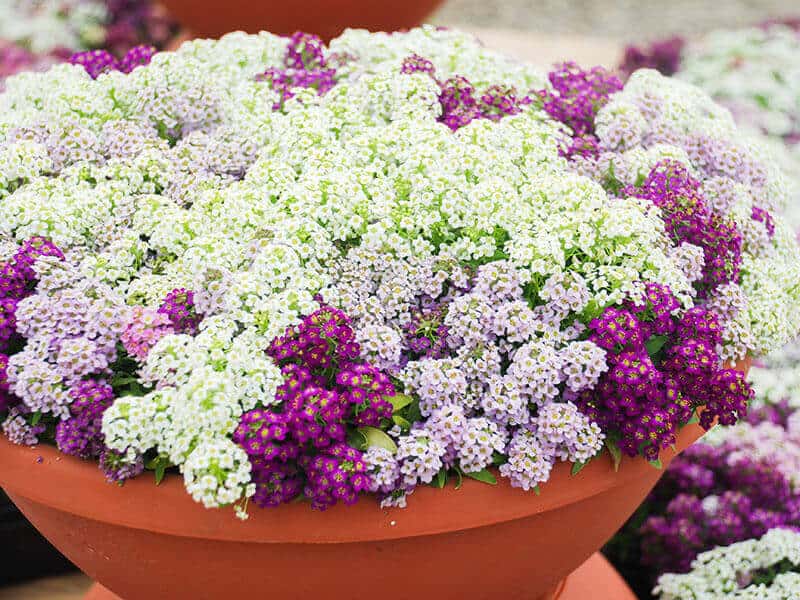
285	270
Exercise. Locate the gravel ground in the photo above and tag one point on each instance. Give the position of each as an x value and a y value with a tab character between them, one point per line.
622	20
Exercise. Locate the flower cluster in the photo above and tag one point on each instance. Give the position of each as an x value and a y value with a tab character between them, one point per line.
575	98
689	220
491	306
650	390
80	434
97	62
15	58
717	195
767	568
326	389
304	66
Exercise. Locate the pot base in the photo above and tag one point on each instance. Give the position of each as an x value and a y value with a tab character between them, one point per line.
595	574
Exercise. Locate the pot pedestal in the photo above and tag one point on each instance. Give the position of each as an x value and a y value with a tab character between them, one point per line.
593	575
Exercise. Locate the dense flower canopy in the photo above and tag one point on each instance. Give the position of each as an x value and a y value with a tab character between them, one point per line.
299	269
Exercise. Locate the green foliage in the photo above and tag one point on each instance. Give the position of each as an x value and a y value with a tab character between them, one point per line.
484	476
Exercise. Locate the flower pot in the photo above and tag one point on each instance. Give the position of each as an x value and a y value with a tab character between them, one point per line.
595	574
326	18
479	542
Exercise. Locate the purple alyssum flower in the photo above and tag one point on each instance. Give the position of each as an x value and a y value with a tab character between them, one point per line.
97	62
575	99
300	446
80	435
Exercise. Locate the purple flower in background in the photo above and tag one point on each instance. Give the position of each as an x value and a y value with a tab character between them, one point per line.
137	56
662	55
718	494
135	22
95	62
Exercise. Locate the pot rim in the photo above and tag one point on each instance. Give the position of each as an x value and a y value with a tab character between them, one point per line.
65	483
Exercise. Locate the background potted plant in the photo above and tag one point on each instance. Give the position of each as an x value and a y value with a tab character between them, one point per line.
327	18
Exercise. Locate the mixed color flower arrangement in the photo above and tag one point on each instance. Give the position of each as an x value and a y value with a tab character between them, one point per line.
285	269
35	34
755	72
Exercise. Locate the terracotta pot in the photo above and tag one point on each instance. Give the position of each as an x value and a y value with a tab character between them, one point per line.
479	542
326	18
595	574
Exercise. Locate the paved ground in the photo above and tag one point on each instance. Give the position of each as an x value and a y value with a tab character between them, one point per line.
621	20
543	50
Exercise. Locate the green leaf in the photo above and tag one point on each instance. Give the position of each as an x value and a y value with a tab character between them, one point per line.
159	465
693	420
498	459
655	343
357	439
441	478
35	418
484	476
656	464
459	479
537	491
614	451
399	401
161	469
376	437
578	467
402	422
